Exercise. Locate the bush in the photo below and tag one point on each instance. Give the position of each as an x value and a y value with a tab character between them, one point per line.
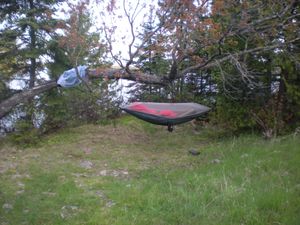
25	134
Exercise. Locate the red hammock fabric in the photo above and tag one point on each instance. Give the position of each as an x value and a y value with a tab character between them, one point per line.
167	114
140	107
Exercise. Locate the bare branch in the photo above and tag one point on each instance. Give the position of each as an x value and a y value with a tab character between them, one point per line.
109	41
214	62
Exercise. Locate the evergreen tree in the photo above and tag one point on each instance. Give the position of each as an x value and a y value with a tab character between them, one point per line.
92	101
151	61
26	30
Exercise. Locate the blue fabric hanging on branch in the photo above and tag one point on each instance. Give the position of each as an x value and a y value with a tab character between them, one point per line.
70	79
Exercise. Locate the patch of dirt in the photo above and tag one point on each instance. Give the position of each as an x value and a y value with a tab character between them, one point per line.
5	166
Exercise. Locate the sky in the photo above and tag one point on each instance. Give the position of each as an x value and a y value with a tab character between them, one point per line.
122	36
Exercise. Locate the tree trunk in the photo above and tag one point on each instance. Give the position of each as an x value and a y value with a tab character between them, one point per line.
8	104
32	35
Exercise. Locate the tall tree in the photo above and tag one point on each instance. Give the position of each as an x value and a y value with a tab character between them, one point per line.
78	45
26	29
152	61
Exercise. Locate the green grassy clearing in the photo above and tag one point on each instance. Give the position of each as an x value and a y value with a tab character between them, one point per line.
136	173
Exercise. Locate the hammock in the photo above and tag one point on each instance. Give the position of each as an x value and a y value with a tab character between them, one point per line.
167	114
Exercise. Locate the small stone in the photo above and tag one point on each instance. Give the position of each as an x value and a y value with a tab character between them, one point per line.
100	194
19	192
68	211
125	172
86	164
79	174
51	194
20	184
110	203
285	174
26	211
16	176
114	173
7	206
87	151
62	178
244	155
217	161
194	152
103	173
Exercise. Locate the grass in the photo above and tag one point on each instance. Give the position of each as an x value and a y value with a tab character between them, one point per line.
136	173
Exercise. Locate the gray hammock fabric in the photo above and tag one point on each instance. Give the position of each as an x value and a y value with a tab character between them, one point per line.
70	79
167	114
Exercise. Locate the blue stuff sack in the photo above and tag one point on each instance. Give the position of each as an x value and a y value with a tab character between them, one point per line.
69	78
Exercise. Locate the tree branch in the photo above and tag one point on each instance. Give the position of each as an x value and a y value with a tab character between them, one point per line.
214	62
134	75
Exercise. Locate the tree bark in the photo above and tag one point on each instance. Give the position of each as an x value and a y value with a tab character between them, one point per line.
32	35
134	75
8	104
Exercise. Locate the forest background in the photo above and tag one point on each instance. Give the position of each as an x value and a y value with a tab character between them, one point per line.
241	58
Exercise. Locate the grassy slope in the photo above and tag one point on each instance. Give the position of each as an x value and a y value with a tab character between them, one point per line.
142	174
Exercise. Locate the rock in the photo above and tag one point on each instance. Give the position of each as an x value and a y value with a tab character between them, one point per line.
217	161
20	176
7	206
19	192
20	184
50	194
194	152
80	175
68	211
87	151
114	173
100	194
86	164
244	155
110	203
26	211
103	173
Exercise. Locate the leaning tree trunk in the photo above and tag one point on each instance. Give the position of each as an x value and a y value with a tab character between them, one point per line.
8	104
